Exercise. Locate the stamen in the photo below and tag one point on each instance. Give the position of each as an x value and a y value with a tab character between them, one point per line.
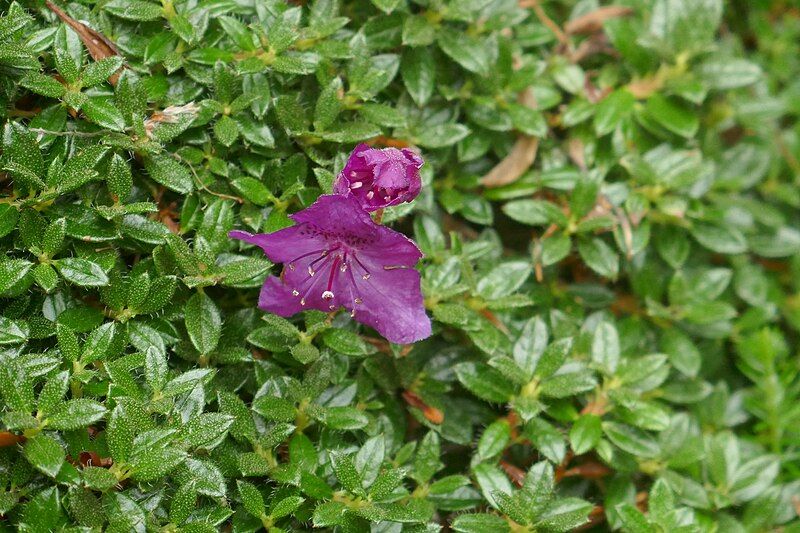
353	285
302	301
370	194
352	313
324	257
321	251
328	294
356	185
295	292
366	272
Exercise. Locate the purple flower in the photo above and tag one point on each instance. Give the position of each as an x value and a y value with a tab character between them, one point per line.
336	256
379	178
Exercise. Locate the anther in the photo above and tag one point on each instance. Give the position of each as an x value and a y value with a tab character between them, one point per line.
302	301
311	272
359	301
365	276
356	185
327	295
295	293
370	194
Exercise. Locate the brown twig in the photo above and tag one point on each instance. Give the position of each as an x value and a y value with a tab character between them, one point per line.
434	415
98	45
496	322
593	21
514	473
547	21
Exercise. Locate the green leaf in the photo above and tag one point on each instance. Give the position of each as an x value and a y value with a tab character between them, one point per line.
720	239
328	104
68	53
134	9
565	515
12	272
344	418
226	130
103	112
585	433
81	272
631	440
484	382
599	256
43	84
187	381
251	498
494	439
504	279
673	115
203	323
13	331
274	408
346	342
418	71
369	459
480	523
469	52
75	414
605	347
169	173
155	368
8	219
612	110
441	135
101	70
44	453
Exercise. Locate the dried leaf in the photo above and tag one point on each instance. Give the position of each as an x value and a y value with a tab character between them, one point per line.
99	45
521	157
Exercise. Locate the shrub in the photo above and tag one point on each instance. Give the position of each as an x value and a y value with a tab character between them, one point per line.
610	228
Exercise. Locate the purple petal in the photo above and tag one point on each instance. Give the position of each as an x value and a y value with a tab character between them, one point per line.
283	245
391	249
355	163
393	306
275	297
337	215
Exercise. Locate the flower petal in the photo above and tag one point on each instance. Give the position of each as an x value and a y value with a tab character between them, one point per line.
283	245
275	297
339	216
393	306
390	249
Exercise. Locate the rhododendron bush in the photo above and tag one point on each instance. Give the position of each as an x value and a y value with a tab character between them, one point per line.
484	266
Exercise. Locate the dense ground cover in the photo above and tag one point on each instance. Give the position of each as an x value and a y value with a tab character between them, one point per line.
610	225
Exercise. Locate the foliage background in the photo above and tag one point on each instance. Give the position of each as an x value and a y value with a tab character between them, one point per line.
615	321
